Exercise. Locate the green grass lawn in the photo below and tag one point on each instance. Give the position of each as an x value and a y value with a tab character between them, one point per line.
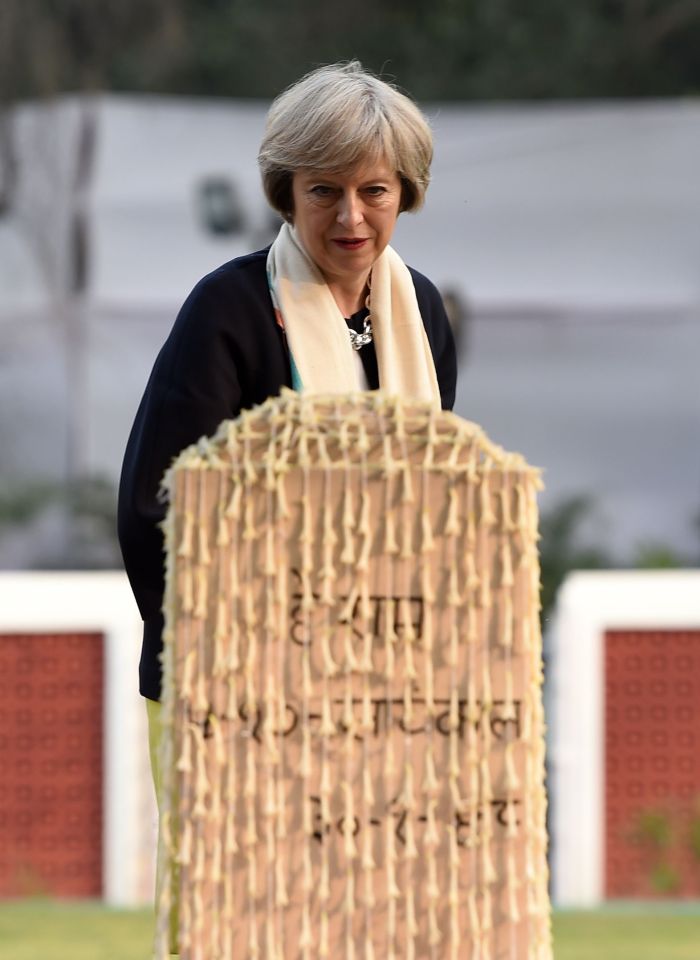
651	932
46	930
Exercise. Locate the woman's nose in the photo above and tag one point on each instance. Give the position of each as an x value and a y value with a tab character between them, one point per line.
349	210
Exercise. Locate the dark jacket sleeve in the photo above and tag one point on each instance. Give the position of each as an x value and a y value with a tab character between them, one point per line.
440	338
224	353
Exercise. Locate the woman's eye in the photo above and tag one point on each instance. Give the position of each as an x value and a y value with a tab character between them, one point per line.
376	190
321	190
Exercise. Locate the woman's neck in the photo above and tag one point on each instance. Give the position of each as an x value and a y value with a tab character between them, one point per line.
350	297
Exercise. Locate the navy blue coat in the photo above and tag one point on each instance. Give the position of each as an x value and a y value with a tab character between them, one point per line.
225	353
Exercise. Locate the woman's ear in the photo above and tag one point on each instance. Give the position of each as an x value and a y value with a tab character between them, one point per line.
408	195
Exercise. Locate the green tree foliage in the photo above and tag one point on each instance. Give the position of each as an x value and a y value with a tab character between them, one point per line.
88	507
561	547
448	49
651	555
54	46
565	546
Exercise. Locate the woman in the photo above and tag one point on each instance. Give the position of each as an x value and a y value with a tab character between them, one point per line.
330	307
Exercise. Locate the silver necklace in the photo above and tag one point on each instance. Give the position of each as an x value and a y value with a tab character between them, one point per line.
360	340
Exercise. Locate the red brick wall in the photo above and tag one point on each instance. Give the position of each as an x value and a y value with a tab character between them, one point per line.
51	764
652	763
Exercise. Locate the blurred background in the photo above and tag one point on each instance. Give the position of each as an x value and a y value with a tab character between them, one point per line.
562	227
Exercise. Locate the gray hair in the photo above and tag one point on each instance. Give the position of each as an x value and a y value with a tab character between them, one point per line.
336	118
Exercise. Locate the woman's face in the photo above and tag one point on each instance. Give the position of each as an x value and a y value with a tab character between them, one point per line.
345	221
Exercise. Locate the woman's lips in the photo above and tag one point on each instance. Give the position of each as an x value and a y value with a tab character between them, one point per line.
347	243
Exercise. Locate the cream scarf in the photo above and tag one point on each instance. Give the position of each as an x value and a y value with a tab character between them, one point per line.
317	335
